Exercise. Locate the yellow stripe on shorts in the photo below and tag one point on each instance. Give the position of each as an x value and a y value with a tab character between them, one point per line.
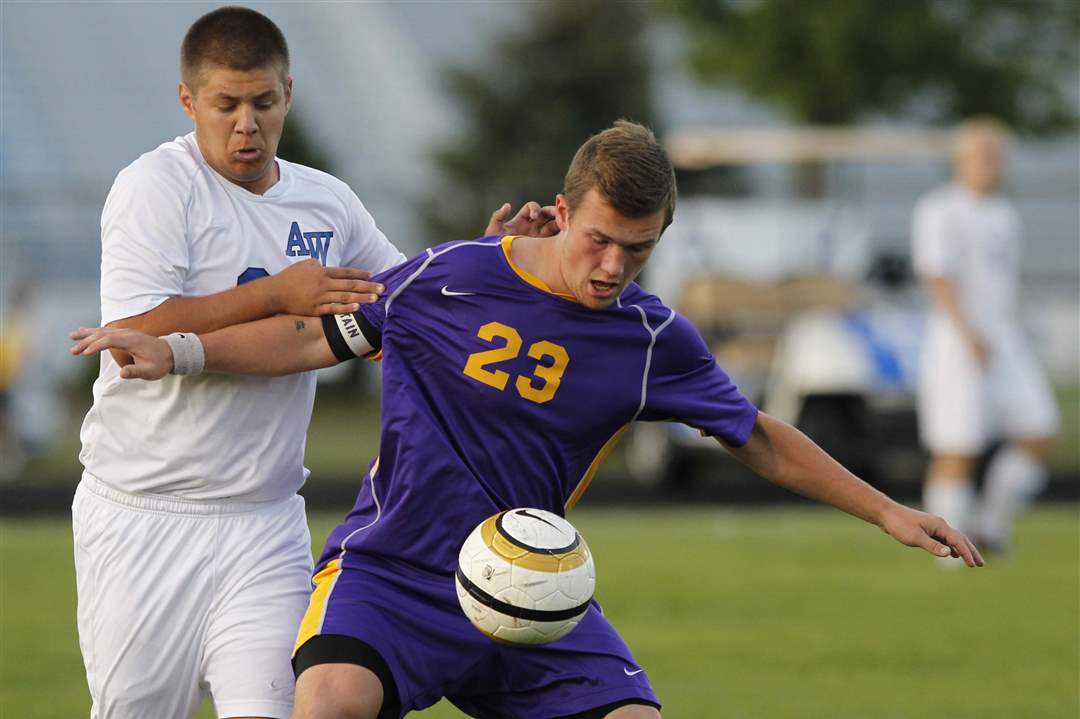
316	611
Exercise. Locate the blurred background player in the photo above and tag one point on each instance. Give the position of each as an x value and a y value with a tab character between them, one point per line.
14	336
191	544
511	367
979	379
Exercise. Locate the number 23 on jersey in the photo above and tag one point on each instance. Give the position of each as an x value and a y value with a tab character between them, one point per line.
549	375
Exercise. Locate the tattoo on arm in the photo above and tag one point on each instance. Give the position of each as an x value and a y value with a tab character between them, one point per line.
300	325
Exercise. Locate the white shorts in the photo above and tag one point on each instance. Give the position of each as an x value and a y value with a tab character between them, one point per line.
178	599
963	406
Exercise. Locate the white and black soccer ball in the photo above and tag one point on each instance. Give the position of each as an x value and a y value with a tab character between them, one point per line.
525	576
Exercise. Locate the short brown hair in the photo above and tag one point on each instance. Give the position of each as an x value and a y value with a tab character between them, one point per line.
236	38
626	165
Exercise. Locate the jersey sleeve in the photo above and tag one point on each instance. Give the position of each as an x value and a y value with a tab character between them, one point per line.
931	249
367	247
359	334
144	243
687	385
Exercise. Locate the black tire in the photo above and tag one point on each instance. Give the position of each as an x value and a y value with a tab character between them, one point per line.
838	424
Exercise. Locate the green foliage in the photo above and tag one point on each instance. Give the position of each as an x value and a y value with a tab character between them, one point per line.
569	72
297	146
734	613
835	61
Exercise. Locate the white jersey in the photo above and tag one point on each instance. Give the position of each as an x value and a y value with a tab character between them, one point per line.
973	241
174	227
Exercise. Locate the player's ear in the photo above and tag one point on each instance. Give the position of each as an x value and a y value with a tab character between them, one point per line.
187	100
562	212
288	94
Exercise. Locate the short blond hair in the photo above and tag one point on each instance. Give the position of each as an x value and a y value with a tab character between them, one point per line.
978	129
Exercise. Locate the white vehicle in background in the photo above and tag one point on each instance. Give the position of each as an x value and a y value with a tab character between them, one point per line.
816	320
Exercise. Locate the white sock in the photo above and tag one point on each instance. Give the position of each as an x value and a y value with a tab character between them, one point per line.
1013	480
951	500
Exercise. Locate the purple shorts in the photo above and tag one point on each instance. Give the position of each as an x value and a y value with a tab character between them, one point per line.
413	620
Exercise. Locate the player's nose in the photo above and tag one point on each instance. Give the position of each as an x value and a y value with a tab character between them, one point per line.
613	261
245	121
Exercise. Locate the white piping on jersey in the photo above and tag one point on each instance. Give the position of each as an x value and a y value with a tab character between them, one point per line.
431	256
583	483
653	334
375	468
378	507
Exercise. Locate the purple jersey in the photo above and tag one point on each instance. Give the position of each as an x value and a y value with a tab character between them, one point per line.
498	393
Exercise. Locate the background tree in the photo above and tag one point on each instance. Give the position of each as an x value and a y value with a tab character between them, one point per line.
831	62
572	70
297	146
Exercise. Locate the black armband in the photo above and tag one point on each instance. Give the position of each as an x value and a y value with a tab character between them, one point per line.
351	335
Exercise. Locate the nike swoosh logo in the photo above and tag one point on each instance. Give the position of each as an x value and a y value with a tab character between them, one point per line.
629	673
525	513
278	684
451	293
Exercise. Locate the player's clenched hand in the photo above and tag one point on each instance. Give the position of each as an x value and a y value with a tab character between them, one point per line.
309	289
531	220
152	358
980	350
930	532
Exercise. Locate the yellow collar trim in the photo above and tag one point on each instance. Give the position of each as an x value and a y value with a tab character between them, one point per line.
532	279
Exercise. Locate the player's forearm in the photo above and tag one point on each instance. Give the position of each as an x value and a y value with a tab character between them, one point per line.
943	294
271	347
784	455
244	303
236	305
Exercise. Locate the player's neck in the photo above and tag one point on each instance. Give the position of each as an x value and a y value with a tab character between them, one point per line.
977	187
539	256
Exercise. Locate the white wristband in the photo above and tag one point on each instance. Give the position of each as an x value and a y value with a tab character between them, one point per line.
187	350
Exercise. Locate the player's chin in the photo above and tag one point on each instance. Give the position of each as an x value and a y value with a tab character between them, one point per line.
247	171
600	295
598	303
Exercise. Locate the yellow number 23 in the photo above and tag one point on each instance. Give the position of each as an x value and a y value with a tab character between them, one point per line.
549	374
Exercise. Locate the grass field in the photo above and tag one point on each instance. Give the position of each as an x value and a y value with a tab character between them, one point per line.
743	614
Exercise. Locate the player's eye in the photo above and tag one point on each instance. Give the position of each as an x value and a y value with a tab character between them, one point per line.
226	108
265	104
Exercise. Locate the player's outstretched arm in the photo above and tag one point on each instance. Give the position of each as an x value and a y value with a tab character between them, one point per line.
784	455
271	347
304	288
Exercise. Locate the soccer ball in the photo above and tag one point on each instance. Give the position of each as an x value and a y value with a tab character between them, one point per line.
525	576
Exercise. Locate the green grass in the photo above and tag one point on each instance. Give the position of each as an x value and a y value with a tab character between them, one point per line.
741	614
1066	454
